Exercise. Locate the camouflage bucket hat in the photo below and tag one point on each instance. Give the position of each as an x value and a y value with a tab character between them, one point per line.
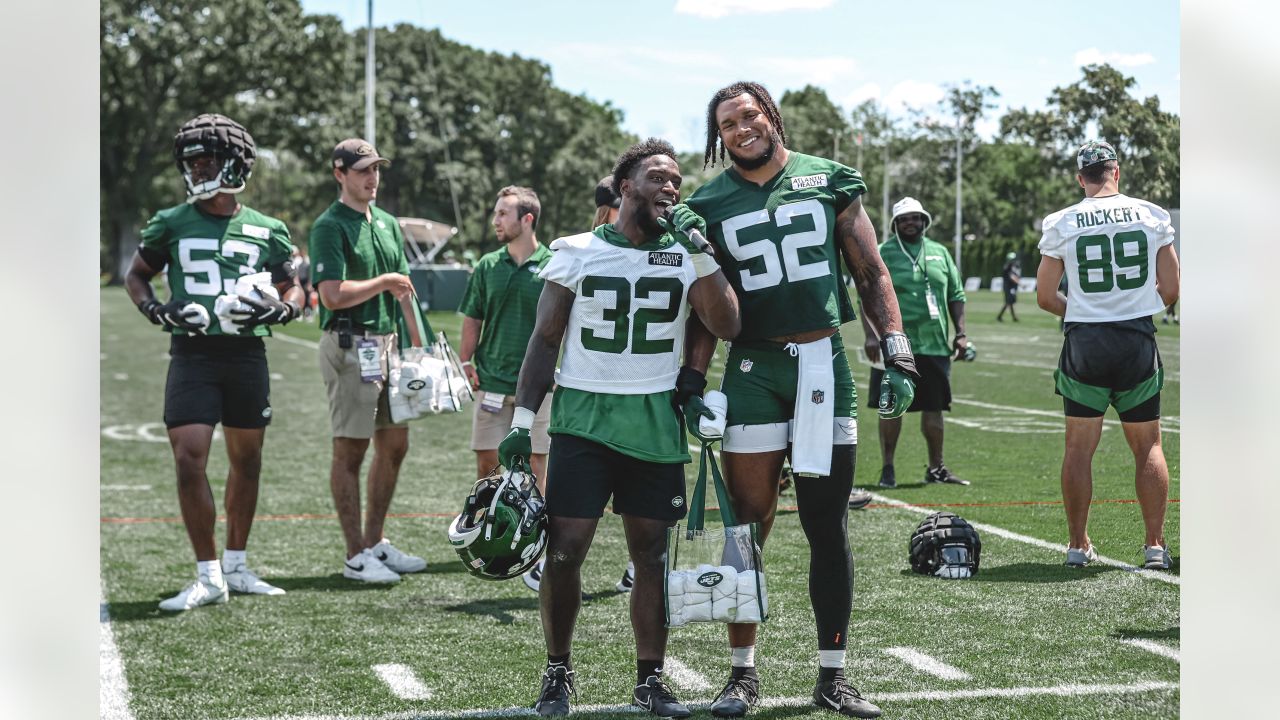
1094	152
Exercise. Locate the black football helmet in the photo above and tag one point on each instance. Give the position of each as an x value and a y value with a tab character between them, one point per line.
946	545
231	146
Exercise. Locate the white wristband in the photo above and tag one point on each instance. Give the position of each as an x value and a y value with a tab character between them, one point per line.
522	418
703	264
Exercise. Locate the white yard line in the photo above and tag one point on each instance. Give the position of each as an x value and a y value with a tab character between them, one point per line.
927	664
1058	548
403	681
1047	413
125	487
1154	647
684	676
113	689
297	341
1077	690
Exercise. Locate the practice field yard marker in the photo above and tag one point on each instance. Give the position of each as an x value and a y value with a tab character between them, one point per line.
113	689
1154	647
684	676
402	681
1055	547
1047	413
297	341
924	663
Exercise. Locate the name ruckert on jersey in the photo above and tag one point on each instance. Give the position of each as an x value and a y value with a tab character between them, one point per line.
1108	247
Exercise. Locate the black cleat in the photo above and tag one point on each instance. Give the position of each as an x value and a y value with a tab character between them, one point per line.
859	499
557	686
941	474
887	479
655	697
738	696
839	696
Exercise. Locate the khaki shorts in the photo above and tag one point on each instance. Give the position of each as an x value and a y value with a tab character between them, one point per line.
489	428
356	408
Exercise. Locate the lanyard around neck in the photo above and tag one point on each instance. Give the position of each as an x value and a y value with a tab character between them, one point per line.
916	261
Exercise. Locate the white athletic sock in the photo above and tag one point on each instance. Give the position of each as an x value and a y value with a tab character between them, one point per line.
231	559
743	656
210	569
831	658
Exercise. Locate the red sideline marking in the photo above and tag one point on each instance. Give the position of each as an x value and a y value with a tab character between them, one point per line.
790	508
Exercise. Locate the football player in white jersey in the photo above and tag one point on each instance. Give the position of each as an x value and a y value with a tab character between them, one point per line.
1121	269
618	298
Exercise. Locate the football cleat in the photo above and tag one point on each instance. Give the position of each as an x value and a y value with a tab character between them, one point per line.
941	474
839	696
859	499
656	697
367	568
200	592
1155	557
628	580
887	479
397	560
533	578
1077	557
242	580
557	687
738	696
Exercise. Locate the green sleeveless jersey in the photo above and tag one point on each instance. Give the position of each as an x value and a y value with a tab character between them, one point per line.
777	243
206	253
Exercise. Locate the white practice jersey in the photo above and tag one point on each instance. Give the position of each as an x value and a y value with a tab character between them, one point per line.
1109	246
626	330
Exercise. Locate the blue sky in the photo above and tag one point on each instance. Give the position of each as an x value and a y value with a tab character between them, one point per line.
660	61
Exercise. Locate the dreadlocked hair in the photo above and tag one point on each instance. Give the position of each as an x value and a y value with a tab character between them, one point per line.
755	90
628	160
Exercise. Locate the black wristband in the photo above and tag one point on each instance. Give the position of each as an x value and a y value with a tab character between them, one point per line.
689	382
147	308
896	350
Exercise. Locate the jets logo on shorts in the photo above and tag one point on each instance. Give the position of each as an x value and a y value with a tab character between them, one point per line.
817	397
266	411
677	501
746	365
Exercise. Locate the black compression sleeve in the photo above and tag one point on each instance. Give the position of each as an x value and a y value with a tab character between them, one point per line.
281	272
154	258
824	509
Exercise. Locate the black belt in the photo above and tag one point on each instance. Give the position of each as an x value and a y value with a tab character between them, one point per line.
360	331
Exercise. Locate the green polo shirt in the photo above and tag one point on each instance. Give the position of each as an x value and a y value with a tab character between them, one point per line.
925	264
504	298
346	246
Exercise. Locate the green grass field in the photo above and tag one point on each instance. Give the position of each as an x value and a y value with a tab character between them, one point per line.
1036	639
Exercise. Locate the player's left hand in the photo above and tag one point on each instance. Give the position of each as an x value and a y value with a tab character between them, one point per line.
896	393
694	410
684	219
265	310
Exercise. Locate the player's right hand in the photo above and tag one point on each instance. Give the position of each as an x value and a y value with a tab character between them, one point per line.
689	383
517	444
682	220
896	393
694	410
173	315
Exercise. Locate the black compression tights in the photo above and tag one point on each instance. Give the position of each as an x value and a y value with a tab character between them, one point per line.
824	514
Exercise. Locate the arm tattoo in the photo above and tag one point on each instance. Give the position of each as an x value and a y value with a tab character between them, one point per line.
856	237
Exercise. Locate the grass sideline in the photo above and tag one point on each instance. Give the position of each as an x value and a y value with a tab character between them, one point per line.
1040	640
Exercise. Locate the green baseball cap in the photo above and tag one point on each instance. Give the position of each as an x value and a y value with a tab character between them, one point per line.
1094	152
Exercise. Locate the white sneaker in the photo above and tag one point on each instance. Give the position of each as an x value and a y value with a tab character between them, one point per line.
398	561
1079	558
367	568
242	580
533	576
200	592
1155	557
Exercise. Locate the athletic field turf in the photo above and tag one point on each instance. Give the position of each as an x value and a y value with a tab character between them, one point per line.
1026	638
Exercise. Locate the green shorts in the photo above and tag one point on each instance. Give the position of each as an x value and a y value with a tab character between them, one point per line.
760	380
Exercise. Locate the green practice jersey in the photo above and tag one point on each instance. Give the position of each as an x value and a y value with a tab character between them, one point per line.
918	269
207	253
345	245
777	244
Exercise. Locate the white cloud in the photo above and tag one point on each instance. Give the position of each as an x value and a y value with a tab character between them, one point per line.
913	94
861	94
723	8
1094	56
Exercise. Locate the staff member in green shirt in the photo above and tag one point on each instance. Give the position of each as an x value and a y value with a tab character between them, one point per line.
361	273
499	308
924	276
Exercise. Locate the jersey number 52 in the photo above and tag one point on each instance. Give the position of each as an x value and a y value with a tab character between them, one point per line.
781	260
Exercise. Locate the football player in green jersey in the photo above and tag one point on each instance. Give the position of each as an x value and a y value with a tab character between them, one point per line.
780	222
218	367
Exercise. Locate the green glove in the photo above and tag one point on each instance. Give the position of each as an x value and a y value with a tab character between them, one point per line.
694	409
517	446
896	393
679	221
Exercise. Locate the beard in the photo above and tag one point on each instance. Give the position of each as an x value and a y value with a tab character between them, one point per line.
649	225
754	163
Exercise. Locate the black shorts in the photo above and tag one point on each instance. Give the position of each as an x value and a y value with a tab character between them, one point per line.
933	389
1011	295
582	475
216	379
1102	365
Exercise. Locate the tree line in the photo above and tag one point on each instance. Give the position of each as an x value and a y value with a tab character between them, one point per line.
459	123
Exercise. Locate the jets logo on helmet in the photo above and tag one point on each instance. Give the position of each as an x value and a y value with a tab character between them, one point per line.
502	529
946	545
231	147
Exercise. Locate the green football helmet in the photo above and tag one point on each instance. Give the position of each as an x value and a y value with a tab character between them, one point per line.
502	529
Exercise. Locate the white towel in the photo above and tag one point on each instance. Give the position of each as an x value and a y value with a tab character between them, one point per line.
815	409
724	596
748	603
718	403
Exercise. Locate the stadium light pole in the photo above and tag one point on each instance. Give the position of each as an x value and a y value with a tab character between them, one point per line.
369	132
959	211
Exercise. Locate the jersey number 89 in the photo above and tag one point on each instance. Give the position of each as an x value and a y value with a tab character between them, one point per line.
1112	250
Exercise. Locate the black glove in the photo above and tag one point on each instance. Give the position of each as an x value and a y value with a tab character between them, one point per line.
171	315
689	383
265	310
895	348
